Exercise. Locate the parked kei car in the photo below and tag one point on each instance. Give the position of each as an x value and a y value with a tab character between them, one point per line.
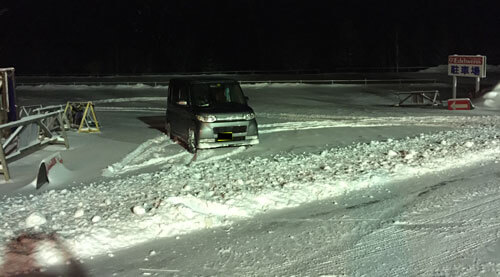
208	113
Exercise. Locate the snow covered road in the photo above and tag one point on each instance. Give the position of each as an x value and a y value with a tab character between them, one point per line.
444	224
107	216
361	181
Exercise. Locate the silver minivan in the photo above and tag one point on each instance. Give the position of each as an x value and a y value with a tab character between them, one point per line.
208	113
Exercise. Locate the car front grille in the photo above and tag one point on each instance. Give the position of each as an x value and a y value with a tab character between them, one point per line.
232	129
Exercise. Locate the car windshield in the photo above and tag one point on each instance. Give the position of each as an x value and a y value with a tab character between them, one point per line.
213	94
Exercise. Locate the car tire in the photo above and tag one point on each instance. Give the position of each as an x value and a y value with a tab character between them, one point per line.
168	130
191	141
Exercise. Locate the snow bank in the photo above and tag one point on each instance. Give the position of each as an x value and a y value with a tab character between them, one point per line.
492	98
181	198
132	99
86	87
290	84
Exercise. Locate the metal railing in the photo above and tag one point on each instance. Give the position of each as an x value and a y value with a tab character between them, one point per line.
418	98
29	132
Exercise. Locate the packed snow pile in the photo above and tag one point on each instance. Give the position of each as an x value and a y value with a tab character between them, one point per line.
492	98
155	152
99	218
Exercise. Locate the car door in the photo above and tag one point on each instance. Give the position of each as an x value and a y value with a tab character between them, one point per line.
184	114
172	109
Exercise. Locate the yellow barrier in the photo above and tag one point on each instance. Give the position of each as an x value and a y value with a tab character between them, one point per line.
82	115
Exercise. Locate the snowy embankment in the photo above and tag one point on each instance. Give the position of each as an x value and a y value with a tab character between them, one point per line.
102	85
100	218
492	98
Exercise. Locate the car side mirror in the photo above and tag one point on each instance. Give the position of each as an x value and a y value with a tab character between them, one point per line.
182	103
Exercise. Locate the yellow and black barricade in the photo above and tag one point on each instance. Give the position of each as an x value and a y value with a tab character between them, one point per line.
82	116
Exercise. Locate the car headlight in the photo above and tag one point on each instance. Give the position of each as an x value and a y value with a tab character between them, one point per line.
249	116
206	118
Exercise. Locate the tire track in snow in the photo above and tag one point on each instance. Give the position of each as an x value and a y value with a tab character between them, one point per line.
150	153
360	122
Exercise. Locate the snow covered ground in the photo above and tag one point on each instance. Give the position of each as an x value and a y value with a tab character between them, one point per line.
345	147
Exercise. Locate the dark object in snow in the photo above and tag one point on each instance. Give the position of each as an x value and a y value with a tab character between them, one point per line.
20	257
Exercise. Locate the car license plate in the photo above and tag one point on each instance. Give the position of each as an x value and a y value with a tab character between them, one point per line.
225	136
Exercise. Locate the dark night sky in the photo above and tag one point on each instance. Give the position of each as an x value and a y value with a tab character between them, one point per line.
146	36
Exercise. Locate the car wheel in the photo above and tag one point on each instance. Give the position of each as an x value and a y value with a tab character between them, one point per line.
168	130
191	141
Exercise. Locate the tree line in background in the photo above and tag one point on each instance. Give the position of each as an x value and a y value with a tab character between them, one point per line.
146	36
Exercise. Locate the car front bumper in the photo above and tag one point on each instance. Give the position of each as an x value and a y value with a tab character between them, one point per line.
242	132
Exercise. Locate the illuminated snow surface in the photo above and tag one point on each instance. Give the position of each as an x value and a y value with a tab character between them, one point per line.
397	212
492	98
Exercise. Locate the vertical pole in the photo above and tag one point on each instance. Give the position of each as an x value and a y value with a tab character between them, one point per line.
63	131
3	161
454	87
478	85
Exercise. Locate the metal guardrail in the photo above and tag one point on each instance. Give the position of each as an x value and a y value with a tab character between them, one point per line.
28	132
305	81
28	110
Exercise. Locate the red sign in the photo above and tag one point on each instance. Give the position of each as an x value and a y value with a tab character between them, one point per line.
53	162
459	104
470	60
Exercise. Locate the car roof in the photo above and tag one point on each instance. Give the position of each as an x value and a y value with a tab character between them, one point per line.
203	79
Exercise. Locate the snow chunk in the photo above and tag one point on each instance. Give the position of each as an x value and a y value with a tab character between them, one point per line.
410	155
79	213
392	153
96	218
48	254
469	144
35	219
138	210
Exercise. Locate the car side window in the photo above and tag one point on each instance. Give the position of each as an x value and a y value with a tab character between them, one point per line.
183	95
173	94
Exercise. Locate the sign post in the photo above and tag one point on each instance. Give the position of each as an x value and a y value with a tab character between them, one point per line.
465	66
454	87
